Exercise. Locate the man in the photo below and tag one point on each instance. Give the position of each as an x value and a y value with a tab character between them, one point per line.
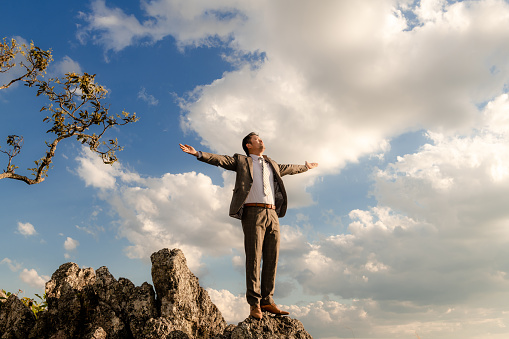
259	198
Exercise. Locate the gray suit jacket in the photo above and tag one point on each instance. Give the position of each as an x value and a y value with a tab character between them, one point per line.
243	165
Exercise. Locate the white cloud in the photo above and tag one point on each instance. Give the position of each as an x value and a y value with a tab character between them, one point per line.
440	245
99	175
32	278
92	230
331	84
91	171
13	265
148	98
190	22
71	244
361	319
26	229
233	308
185	211
354	71
238	261
64	66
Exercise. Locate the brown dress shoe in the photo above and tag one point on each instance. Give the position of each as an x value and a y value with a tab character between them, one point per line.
255	312
272	308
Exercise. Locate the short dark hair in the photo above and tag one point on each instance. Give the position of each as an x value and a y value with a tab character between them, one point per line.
247	140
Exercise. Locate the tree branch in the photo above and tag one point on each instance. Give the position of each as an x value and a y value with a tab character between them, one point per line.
75	108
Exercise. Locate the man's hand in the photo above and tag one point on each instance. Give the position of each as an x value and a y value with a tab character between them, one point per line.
311	165
188	149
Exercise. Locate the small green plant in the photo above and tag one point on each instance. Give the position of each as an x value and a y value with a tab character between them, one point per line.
35	306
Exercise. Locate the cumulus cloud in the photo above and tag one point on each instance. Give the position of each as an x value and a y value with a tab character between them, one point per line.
91	169
190	22
358	72
233	308
361	319
26	229
66	65
333	83
176	210
440	246
71	244
32	278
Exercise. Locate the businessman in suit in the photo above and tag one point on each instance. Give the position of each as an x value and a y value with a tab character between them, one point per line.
259	200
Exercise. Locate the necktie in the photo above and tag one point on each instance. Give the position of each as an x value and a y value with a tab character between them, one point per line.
266	177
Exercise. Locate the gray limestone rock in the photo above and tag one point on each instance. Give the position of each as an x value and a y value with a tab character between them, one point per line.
185	305
269	327
64	295
132	305
16	319
88	304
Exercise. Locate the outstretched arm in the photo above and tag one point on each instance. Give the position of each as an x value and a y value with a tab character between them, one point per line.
189	149
224	161
311	165
295	169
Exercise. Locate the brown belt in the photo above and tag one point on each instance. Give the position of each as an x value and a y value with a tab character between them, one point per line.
269	206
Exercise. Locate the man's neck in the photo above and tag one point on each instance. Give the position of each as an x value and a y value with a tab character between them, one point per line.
256	153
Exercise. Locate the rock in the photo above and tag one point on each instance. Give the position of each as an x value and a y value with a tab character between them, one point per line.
98	333
66	314
132	305
185	305
269	327
16	319
84	301
3	297
68	277
88	304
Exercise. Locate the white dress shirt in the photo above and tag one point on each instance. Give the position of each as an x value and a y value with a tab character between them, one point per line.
256	194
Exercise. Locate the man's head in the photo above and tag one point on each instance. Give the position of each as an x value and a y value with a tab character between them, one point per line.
252	144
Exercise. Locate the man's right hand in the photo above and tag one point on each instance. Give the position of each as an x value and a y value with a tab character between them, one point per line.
189	149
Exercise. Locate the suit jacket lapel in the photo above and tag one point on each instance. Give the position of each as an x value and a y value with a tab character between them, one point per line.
250	165
273	165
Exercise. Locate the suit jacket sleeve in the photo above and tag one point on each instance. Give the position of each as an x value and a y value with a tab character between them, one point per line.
291	169
224	161
241	165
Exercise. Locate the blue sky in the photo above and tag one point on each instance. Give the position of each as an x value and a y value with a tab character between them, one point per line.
402	229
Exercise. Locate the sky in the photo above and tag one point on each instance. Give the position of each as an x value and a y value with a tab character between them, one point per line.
401	232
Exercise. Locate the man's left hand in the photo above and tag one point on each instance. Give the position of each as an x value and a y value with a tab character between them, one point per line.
311	165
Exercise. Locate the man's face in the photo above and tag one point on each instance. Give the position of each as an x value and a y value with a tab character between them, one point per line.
256	144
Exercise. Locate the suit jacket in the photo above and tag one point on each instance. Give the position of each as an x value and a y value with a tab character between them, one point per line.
243	165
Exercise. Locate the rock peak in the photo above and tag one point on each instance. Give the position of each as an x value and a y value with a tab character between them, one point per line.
83	303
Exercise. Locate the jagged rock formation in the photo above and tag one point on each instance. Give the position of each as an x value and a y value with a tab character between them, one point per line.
83	303
184	306
16	319
268	327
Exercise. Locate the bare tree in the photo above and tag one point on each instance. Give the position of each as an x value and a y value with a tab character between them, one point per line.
76	109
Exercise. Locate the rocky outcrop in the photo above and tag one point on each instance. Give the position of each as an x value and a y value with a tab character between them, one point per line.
16	319
185	306
83	303
268	327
